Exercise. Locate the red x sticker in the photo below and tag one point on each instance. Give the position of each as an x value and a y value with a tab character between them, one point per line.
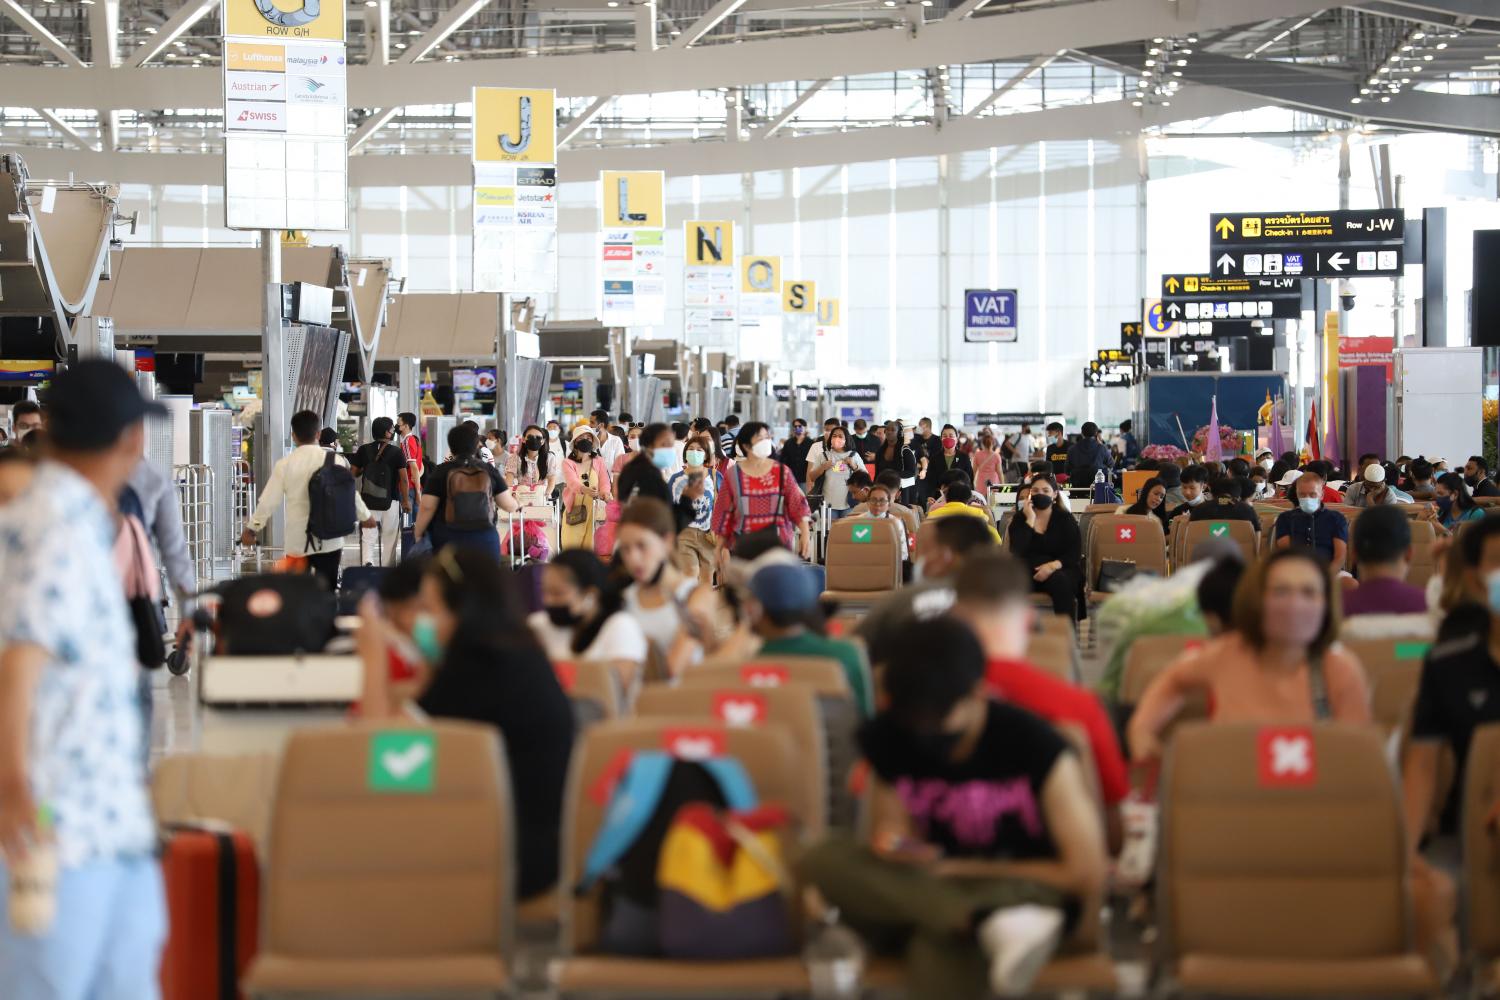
765	675
567	675
740	708
1288	758
1124	533
693	744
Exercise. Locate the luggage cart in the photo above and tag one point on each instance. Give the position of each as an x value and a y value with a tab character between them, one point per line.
545	514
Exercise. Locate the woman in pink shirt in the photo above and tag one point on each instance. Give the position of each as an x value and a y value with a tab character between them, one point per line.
1276	665
988	464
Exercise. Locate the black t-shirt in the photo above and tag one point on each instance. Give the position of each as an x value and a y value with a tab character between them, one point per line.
386	454
1459	692
435	484
1224	509
988	806
1486	488
514	689
794	456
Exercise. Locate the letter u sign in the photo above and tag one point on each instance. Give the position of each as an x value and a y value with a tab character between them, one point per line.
307	14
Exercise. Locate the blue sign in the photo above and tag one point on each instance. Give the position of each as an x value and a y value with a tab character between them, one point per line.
990	316
1157	320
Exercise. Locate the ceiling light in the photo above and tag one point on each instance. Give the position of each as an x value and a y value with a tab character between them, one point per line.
149	31
613	3
1416	69
1364	90
1406	48
1158	41
1182	62
1155	51
1427	57
413	34
1419	34
1166	104
1150	62
400	45
1355	100
1135	104
1441	45
1186	52
531	52
1177	72
1386	99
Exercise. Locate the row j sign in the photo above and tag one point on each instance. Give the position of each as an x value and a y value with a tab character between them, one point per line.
990	316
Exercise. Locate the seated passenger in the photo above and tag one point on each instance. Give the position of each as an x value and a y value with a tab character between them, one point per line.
1194	490
878	505
1382	552
1372	489
1044	536
583	618
488	669
1153	502
1311	524
1226	505
1455	506
782	605
964	788
674	612
1278	665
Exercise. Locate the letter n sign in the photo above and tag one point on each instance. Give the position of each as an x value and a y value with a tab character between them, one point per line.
710	242
990	316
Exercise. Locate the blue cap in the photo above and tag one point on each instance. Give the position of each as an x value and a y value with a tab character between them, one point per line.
785	588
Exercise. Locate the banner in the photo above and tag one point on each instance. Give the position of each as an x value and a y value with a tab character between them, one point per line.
709	295
760	308
632	267
990	316
285	116
514	150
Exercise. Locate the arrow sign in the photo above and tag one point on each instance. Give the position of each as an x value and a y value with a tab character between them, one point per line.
1174	310
1171	285
1337	261
1224	226
1225	262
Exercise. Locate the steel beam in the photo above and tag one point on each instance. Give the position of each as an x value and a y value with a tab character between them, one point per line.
790	111
67	130
37	30
1032	68
708	22
181	20
571	130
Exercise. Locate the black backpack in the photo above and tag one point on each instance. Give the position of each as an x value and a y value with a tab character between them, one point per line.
330	496
274	614
378	482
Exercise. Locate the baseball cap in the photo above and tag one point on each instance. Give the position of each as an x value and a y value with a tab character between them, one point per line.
1374	473
1292	475
783	587
92	403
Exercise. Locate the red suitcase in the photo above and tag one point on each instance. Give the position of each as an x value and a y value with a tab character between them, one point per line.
213	902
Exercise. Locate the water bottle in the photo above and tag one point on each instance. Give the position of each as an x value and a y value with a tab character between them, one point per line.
33	882
1103	492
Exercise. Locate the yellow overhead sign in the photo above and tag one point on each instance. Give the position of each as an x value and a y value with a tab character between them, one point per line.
799	296
317	20
512	125
708	242
760	275
828	312
633	199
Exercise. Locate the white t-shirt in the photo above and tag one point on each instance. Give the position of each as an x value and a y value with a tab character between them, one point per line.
836	479
610	450
659	624
621	638
1024	445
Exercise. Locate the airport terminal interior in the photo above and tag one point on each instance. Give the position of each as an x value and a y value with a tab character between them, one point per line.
724	499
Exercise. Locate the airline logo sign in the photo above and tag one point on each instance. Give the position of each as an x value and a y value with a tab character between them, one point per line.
709	243
254	116
512	125
260	58
1332	244
760	275
300	19
799	297
240	85
990	316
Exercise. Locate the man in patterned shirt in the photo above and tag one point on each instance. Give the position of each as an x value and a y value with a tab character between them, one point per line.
72	769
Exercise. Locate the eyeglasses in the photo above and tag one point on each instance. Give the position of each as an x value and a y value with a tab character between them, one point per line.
881	502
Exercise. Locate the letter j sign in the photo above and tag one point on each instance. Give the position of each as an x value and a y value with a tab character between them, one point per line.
990	316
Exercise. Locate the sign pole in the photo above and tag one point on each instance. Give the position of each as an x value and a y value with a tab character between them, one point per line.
271	443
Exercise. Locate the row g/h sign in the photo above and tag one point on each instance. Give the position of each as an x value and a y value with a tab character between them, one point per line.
990	316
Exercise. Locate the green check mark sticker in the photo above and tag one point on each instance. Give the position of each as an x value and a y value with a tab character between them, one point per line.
862	533
402	761
1219	529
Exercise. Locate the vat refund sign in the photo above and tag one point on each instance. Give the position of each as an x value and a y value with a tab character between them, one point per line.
990	316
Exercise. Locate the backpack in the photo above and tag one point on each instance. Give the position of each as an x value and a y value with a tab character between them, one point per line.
330	495
627	852
377	483
471	499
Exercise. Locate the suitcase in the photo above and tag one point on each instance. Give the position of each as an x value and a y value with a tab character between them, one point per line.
274	614
529	585
213	899
354	583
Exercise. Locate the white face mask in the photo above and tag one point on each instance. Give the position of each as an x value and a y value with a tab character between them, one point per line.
1266	464
693	456
552	433
761	448
1197	500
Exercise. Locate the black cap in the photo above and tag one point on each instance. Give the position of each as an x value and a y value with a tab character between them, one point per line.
92	403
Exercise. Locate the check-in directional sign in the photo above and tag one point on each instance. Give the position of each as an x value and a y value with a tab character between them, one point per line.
1191	297
1102	375
1366	243
1131	339
1183	346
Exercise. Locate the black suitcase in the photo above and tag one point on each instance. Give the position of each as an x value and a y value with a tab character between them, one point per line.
354	583
274	614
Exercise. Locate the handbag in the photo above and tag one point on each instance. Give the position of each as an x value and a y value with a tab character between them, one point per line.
145	610
1114	574
578	511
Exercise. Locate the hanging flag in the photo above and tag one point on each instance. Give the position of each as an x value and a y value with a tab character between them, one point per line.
1311	448
1278	439
1214	449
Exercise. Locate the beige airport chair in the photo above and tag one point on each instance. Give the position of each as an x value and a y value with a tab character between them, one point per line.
1481	854
1268	530
864	560
1283	865
593	689
1239	532
1423	561
770	757
1148	656
793	707
1136	538
1058	625
361	899
1055	655
233	790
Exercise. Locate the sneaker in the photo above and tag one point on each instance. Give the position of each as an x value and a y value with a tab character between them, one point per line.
1019	940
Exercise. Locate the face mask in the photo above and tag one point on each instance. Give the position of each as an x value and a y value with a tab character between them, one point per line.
1309	505
1197	500
1492	588
1266	464
632	444
761	448
693	456
533	443
584	446
561	615
950	442
798	431
552	433
424	636
1296	620
663	458
1041	501
1445	505
1472	481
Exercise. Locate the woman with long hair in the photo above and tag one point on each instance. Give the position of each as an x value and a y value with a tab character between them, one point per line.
673	609
897	456
1453	506
586	483
988	463
1044	536
583	618
760	493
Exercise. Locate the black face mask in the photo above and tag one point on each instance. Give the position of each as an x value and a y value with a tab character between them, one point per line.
561	615
584	447
533	444
1473	481
1040	501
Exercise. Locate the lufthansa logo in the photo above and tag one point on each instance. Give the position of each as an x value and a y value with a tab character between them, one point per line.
289	18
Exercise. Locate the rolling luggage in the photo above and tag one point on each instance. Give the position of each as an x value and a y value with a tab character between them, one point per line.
274	614
213	899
